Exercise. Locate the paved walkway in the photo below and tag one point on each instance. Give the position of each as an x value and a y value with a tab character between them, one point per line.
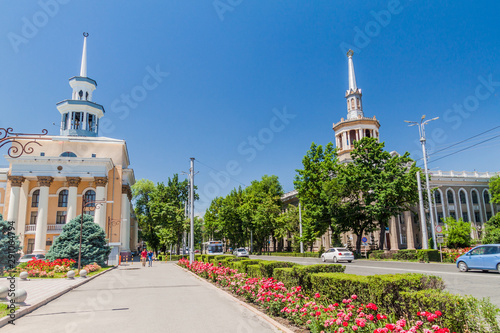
162	298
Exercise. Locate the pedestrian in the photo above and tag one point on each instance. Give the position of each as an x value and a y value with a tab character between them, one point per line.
144	255
150	258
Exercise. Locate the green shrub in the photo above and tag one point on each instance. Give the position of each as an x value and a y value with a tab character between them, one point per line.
381	254
405	255
253	270
460	313
242	265
428	255
457	233
267	267
287	276
176	257
338	286
303	273
209	257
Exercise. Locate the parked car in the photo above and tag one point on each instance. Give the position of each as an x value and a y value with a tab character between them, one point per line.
338	254
483	257
28	257
241	252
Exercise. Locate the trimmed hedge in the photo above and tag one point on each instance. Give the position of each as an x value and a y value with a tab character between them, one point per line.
291	254
241	265
405	255
267	267
428	255
253	270
299	275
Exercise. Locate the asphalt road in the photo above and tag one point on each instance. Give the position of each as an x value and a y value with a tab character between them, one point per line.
476	283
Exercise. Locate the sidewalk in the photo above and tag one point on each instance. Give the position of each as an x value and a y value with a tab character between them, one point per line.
132	298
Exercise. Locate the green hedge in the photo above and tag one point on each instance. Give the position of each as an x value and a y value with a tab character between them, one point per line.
405	255
299	275
292	254
253	270
241	266
176	257
428	255
267	267
380	254
460	313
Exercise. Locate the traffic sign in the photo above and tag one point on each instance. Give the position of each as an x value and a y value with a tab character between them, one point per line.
440	240
364	239
439	229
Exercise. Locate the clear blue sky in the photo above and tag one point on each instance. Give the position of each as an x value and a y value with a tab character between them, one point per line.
230	63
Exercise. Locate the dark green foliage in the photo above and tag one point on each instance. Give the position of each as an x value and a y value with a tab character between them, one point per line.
287	276
299	275
209	257
492	230
457	233
253	271
339	286
10	247
242	265
267	267
381	254
94	244
460	313
405	255
428	255
176	257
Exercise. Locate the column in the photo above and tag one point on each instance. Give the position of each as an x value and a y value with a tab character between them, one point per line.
41	221
410	241
73	183
360	131
125	223
344	141
393	233
21	218
15	195
100	195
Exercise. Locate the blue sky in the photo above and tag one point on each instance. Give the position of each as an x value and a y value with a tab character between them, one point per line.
235	73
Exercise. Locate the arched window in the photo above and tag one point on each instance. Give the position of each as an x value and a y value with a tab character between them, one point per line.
63	199
367	133
87	96
348	105
462	197
80	94
89	197
359	104
475	200
352	103
486	196
437	197
449	194
35	198
68	154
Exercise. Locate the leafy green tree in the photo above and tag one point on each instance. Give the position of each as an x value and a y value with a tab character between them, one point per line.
234	227
319	164
94	243
213	226
492	227
141	192
495	189
457	233
198	231
10	246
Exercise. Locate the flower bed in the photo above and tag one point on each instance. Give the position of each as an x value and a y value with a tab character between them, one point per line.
315	311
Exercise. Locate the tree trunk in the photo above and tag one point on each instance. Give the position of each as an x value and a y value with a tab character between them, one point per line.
382	238
358	241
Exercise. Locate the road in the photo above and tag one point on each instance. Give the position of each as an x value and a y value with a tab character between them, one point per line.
476	283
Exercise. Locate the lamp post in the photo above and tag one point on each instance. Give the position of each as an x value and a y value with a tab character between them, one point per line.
421	130
91	204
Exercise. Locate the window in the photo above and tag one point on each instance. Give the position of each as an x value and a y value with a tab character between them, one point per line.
35	198
89	196
80	93
42	154
68	154
449	194
440	217
465	216
486	197
478	251
477	217
76	120
475	201
437	197
94	155
367	133
31	245
488	216
61	217
462	197
359	104
33	217
63	199
91	122
452	214
64	124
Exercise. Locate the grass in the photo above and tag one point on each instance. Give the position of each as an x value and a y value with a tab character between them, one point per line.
4	311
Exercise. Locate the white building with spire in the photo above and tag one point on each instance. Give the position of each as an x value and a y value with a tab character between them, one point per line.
43	190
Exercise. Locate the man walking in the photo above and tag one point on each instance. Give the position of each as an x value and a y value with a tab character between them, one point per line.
150	258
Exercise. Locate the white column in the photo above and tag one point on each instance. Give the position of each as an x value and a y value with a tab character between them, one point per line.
73	183
100	195
410	242
344	141
23	205
41	221
360	131
393	233
15	194
125	223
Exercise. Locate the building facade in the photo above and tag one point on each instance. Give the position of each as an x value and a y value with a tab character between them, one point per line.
463	195
66	175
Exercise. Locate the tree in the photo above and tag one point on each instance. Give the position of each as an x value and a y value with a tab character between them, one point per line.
318	167
141	192
492	230
94	243
457	233
10	246
213	226
495	189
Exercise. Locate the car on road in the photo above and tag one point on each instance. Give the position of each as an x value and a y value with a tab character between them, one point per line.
240	252
29	257
483	257
337	254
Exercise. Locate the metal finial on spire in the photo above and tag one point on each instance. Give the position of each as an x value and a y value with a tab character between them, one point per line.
83	68
352	76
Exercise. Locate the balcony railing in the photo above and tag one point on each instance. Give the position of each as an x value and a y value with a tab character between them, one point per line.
51	228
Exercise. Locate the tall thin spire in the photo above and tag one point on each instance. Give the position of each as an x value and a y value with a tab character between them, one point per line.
83	68
352	76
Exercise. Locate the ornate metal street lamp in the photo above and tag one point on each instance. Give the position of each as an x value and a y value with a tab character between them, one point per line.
7	135
91	205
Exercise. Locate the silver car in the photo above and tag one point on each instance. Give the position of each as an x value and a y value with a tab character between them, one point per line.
337	254
241	252
28	257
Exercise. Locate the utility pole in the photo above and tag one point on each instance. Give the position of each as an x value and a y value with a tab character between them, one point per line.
191	197
421	129
423	223
300	229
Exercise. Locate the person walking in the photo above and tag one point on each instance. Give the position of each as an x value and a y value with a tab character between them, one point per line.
144	255
150	258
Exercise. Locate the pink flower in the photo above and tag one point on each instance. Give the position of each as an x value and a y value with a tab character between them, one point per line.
317	295
354	296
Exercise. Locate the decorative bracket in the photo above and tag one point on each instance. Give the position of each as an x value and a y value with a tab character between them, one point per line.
7	135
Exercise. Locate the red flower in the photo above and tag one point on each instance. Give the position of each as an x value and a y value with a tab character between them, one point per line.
390	326
345	323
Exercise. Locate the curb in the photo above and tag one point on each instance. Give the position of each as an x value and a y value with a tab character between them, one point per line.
21	312
260	314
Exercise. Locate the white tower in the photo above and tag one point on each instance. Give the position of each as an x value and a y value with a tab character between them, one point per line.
79	115
356	126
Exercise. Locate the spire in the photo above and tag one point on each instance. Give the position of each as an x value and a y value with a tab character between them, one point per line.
83	68
352	76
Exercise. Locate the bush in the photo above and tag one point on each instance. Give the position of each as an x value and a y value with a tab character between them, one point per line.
457	233
242	265
492	230
381	254
287	276
303	273
338	286
94	244
428	255
267	267
460	313
405	255
253	270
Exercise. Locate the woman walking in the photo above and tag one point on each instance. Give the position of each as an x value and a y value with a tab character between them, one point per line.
144	255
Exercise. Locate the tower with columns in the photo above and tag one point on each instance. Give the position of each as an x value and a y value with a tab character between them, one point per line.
356	126
42	191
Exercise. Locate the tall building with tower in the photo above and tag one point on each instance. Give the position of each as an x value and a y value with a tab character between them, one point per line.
70	173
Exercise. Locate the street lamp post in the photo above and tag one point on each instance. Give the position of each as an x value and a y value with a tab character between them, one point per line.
92	206
421	130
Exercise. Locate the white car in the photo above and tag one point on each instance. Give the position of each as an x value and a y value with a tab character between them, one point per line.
337	254
241	252
29	257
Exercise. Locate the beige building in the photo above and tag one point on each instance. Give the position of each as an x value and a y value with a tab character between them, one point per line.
46	188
